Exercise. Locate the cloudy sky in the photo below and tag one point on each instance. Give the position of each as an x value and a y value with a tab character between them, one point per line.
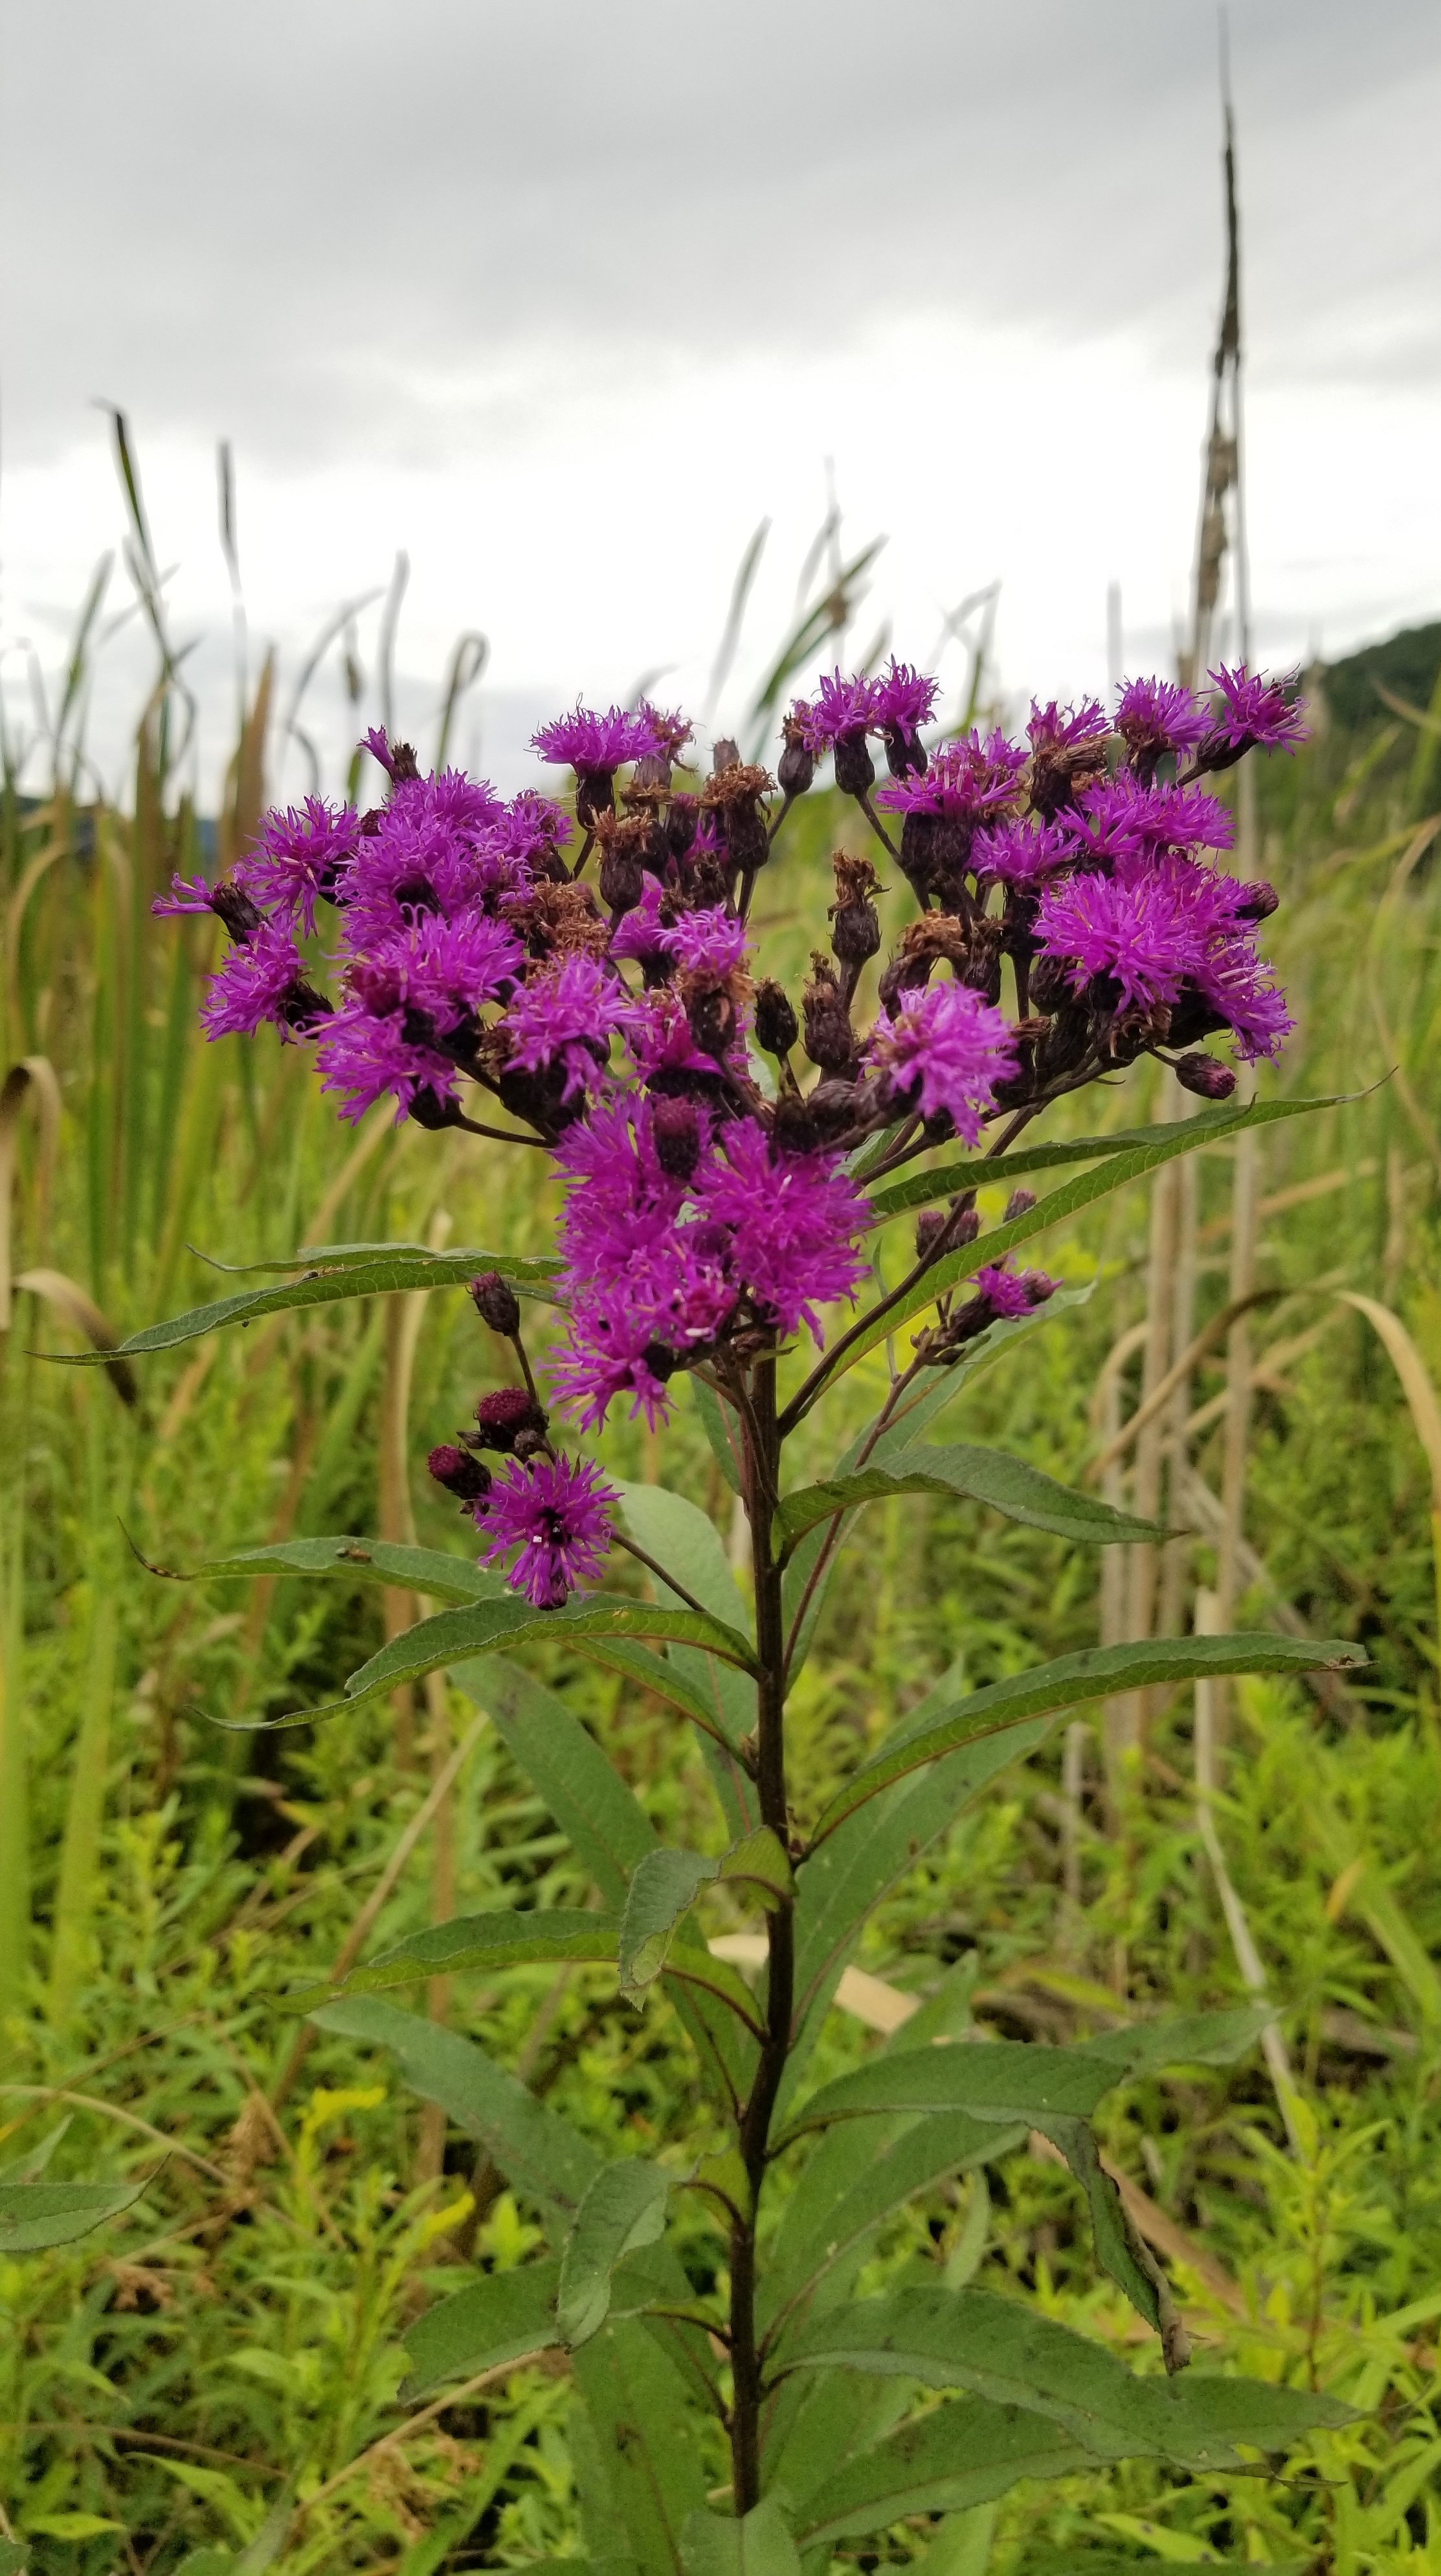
564	301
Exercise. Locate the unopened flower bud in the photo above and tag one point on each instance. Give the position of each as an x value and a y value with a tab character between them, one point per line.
930	1226
830	1040
677	1134
1020	1203
777	1027
527	1442
460	1474
1261	900
680	824
726	755
496	1303
855	769
403	762
1203	1075
796	767
856	929
503	1416
241	917
622	880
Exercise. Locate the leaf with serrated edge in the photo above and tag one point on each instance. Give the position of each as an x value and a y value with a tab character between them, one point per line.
666	1885
961	2454
502	1939
1180	1137
1002	2351
380	1275
1094	1673
37	2215
498	2318
991	1476
623	2210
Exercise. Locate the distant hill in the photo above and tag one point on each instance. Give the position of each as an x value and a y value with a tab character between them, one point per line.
1407	664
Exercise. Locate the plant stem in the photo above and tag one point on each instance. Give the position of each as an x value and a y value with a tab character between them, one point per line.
762	1461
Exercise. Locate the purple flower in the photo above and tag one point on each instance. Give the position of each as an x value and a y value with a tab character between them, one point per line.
670	730
1235	983
1119	813
1255	714
708	943
559	1517
793	1221
364	1057
661	1040
263	981
1011	1293
419	864
567	1016
300	857
1157	716
840	708
967	781
187	894
598	745
641	934
1148	929
447	969
903	699
377	742
1022	854
531	829
1055	729
943	1050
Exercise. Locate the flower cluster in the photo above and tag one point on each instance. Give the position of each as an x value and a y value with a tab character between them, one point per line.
704	1121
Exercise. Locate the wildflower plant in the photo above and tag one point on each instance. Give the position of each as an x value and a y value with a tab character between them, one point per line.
578	976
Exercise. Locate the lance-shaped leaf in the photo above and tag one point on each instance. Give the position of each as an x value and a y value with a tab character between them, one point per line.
540	2153
1024	2080
1119	2250
962	2454
364	1271
1008	1484
1182	1136
1092	1674
886	2178
35	2215
478	1943
759	2544
649	2436
501	2317
998	2349
496	1625
977	1171
685	1543
623	2210
666	1885
358	1560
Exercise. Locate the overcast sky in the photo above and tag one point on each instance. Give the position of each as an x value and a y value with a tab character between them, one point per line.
564	300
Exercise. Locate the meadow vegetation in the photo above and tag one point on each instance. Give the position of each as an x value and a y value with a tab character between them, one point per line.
210	2380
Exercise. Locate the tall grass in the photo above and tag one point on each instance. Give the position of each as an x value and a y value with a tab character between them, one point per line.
163	1882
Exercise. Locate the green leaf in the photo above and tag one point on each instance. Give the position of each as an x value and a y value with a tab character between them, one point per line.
721	1430
1183	2039
541	2154
959	2455
759	2544
359	1270
623	2210
1006	2080
1119	2249
976	1171
1008	1484
72	2526
686	1542
886	2177
1094	1673
364	1560
14	2558
34	2215
666	1885
1181	1136
649	2438
502	1939
997	2349
501	2317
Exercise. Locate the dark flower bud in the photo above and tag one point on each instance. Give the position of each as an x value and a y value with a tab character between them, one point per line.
503	1416
712	1015
855	769
930	1226
680	824
622	880
661	1361
649	778
856	929
460	1474
1050	984
677	1132
777	1027
796	767
432	1110
241	917
403	763
526	1443
496	1303
726	755
830	1040
1020	1203
1261	901
905	753
746	839
594	796
918	849
1203	1075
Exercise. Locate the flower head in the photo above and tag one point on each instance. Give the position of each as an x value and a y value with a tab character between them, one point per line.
1012	1293
1053	728
559	1517
943	1050
793	1221
447	969
263	981
840	708
1118	814
670	730
187	894
599	745
708	943
567	1016
300	857
1157	716
1255	713
364	1055
966	782
1022	854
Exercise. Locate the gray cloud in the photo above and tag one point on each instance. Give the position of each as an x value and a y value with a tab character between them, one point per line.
356	228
